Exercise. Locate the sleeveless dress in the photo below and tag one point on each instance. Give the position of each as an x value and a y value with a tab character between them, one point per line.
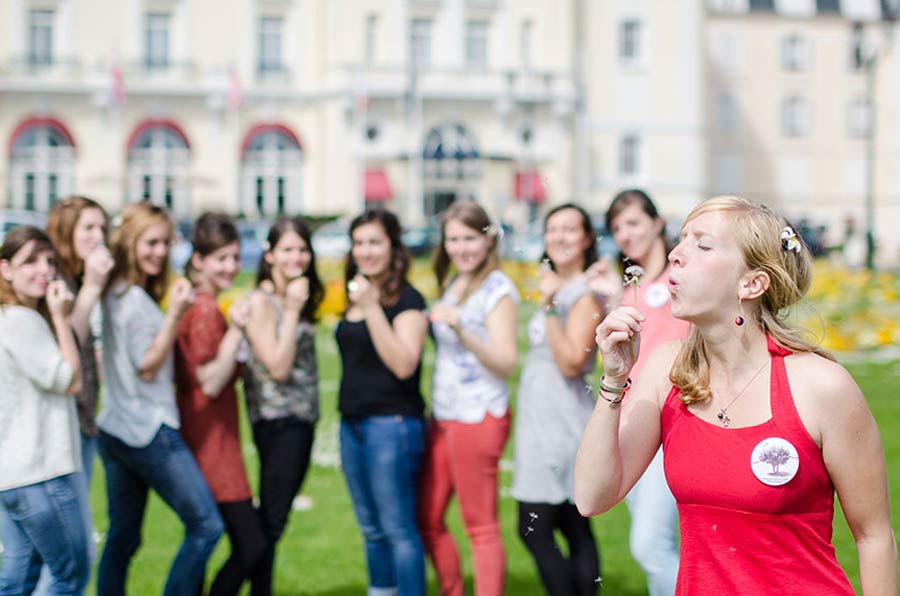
551	413
756	504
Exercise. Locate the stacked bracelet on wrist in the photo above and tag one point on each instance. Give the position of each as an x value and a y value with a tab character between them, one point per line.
618	392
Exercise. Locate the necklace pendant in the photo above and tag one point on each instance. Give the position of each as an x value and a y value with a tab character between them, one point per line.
723	417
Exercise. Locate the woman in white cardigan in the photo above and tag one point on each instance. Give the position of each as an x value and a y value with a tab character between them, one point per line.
39	442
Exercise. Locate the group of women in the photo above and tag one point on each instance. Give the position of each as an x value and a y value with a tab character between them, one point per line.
169	416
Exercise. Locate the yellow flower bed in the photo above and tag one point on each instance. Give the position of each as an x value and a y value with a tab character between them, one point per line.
845	310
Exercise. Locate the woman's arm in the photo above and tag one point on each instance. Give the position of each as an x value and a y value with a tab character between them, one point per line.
498	353
59	299
276	349
399	345
854	458
214	374
619	442
181	296
572	344
96	269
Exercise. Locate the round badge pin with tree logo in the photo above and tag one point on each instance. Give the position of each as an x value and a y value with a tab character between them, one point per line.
774	461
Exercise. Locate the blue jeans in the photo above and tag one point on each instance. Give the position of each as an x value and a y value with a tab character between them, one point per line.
381	457
654	528
88	453
167	466
44	523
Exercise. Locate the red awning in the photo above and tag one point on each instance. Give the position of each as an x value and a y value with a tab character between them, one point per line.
378	187
530	187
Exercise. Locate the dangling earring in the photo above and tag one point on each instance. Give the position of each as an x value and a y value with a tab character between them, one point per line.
739	320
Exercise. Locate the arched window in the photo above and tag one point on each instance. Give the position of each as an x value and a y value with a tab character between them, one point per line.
42	164
271	171
452	164
159	160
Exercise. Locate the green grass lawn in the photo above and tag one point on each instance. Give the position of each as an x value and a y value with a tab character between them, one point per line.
321	552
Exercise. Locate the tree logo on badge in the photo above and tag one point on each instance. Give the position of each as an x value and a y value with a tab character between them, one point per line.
774	461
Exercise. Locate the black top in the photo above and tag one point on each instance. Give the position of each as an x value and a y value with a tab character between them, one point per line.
368	388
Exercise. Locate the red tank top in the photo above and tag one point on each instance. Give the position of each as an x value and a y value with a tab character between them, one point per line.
755	504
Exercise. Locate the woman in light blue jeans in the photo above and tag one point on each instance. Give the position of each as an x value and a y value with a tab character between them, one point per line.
41	493
140	446
382	426
640	233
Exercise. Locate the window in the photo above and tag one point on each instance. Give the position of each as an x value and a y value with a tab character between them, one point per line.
795	117
41	167
371	39
270	42
40	38
726	114
158	164
525	44
476	44
156	39
727	174
420	43
796	54
859	118
271	173
629	158
630	41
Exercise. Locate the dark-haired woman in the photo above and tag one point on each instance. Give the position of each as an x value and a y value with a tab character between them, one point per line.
475	333
206	369
382	427
77	228
640	233
281	377
553	408
40	491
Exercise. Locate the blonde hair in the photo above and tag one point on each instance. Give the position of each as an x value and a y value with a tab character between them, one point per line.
61	223
137	218
757	230
471	215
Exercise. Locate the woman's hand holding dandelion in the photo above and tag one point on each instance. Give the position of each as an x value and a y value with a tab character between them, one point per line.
619	339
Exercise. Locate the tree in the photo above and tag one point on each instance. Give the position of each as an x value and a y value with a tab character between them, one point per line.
775	457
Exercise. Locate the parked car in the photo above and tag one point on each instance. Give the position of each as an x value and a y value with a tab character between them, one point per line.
421	240
253	233
332	239
181	245
12	218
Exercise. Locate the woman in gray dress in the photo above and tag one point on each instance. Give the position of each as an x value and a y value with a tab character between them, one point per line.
554	407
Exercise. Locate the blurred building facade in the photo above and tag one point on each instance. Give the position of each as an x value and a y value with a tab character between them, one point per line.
319	106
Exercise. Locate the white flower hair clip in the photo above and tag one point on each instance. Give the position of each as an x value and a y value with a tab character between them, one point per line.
789	240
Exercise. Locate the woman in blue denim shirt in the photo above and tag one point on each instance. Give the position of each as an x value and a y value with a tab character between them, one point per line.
382	428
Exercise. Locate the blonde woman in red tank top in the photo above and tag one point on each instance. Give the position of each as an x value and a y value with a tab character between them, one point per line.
758	427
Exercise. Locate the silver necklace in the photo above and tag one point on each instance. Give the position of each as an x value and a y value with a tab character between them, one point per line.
723	412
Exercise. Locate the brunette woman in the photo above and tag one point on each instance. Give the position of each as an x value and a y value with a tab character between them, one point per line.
281	377
41	494
553	408
206	369
382	426
640	233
